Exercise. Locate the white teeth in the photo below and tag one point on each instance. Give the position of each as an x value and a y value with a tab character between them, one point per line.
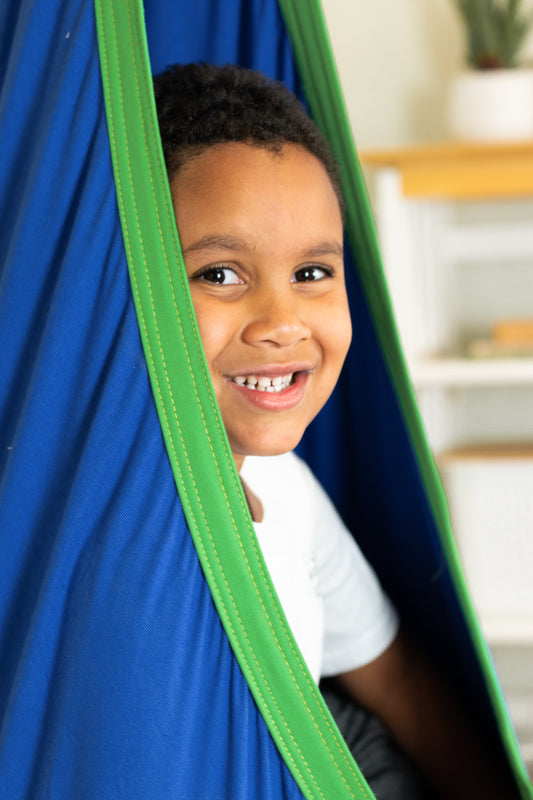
264	384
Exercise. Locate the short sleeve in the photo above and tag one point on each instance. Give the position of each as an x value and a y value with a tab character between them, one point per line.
360	621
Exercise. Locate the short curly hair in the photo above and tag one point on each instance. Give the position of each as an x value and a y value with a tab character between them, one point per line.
200	105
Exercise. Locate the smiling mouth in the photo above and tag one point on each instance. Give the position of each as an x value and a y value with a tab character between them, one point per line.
264	383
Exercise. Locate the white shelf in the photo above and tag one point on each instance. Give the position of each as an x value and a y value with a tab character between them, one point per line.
457	244
480	243
458	261
508	629
458	372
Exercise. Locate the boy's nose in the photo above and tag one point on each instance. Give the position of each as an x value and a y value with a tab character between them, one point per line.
275	319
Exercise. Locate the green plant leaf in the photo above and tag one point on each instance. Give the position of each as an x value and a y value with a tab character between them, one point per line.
495	31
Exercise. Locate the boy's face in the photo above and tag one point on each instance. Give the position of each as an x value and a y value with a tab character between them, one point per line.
262	240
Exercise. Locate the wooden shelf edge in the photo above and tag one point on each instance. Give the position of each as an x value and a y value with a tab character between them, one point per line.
460	171
444	151
520	451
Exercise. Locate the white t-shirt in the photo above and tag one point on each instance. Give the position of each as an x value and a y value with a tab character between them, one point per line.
338	613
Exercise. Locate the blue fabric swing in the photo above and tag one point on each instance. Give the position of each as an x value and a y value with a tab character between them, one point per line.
121	675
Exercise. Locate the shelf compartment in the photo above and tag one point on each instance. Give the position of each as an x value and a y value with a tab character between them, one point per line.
490	494
480	243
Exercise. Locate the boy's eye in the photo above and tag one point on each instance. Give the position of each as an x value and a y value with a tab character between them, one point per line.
311	273
222	276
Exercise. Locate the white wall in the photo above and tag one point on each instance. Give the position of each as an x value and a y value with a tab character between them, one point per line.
395	59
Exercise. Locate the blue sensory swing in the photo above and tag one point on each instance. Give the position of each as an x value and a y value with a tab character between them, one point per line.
143	651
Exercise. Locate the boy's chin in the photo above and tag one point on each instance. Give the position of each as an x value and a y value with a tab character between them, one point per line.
266	449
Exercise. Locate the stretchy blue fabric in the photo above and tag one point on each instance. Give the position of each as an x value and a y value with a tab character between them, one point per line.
117	680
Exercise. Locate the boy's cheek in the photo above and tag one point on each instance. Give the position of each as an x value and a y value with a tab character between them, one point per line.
213	329
339	332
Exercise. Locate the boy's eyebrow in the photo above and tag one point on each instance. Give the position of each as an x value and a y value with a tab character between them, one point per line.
218	241
235	243
324	249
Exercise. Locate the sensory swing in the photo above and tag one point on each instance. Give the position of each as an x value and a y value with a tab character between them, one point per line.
144	651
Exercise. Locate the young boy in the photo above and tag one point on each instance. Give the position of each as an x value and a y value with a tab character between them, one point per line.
258	208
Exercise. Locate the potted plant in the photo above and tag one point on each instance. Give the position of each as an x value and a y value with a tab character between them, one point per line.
493	98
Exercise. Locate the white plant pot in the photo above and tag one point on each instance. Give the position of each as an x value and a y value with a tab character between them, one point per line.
491	105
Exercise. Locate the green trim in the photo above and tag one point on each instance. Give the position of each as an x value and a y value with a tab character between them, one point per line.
195	439
306	27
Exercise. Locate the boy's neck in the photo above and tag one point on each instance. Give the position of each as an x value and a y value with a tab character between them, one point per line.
254	503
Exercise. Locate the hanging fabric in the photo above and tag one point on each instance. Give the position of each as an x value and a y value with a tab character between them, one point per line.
144	653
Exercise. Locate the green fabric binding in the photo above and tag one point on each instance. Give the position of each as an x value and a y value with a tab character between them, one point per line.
195	439
311	46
